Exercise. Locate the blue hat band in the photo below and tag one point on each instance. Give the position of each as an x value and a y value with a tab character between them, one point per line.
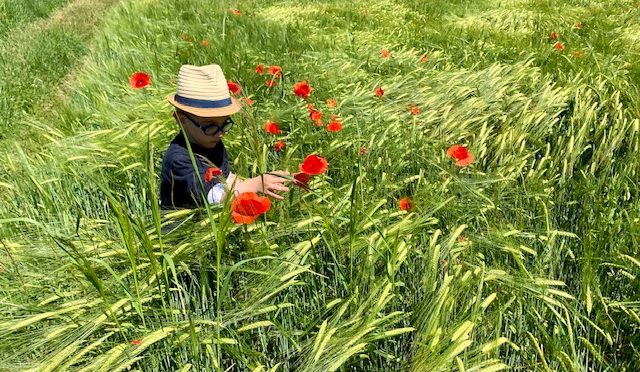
203	103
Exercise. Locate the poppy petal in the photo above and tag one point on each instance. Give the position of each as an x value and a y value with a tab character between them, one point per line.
242	219
139	80
465	161
314	165
301	180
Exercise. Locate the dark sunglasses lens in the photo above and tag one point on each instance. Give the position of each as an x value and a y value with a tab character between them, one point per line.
212	130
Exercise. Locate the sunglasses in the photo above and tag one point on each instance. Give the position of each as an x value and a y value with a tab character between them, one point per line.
213	129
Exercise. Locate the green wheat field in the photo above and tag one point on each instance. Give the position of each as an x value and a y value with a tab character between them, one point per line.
527	259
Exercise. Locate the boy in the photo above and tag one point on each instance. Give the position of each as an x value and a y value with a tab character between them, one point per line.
203	109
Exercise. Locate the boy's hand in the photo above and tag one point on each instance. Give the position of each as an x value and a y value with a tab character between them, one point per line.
267	183
272	181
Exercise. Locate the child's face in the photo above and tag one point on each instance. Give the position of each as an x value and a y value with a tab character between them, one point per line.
194	125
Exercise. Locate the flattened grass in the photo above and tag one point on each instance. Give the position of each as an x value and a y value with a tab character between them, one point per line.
525	259
37	54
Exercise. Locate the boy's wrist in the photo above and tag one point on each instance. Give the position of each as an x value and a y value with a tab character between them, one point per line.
250	185
232	179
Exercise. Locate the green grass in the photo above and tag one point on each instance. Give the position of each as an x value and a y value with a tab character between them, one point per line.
544	278
15	14
38	55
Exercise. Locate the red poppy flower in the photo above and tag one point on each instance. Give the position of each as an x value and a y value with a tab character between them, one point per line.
247	206
578	25
139	80
423	58
272	127
302	89
301	180
260	69
210	173
235	12
331	102
205	42
553	35
314	164
362	151
248	101
559	46
415	110
276	71
460	153
379	92
233	87
271	83
384	53
278	146
315	115
136	342
406	204
334	126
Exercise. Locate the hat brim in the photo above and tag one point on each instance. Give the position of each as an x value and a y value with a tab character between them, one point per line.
207	112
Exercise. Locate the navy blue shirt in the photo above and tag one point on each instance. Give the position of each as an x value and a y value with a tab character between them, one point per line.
179	186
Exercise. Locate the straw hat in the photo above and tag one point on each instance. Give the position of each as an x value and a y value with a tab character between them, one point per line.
203	91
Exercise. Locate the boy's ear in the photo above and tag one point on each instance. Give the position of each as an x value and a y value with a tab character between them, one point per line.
177	119
175	116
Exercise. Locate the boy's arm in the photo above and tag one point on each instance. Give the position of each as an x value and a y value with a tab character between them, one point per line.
233	183
266	183
239	185
232	178
181	180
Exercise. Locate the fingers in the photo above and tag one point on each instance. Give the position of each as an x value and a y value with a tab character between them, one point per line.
274	195
271	183
275	180
275	185
278	187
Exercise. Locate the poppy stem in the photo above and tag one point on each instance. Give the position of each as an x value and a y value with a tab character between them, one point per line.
224	23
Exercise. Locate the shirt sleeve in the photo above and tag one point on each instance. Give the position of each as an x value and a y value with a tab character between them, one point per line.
182	185
216	194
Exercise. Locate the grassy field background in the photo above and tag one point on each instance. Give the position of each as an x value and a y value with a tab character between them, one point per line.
525	260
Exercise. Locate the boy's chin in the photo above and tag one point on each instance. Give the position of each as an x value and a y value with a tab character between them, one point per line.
211	143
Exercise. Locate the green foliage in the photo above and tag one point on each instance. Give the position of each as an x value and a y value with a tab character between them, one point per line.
37	56
526	259
14	13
